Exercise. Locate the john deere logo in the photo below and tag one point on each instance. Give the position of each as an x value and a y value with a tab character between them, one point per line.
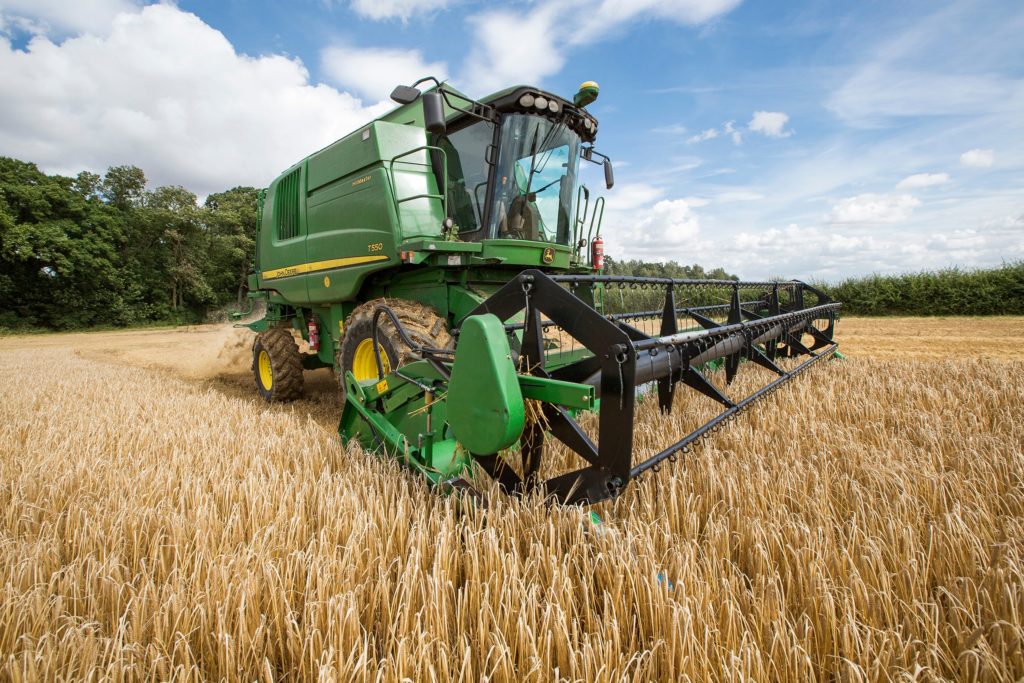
549	255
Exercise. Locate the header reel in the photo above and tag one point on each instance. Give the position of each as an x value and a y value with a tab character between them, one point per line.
537	352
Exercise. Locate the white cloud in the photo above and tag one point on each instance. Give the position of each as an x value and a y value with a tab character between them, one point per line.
667	229
880	91
672	129
730	130
374	72
958	240
770	123
918	180
630	196
936	67
874	208
815	253
513	47
516	46
80	16
933	237
727	196
679	164
641	223
670	221
168	93
395	9
606	16
776	241
978	158
709	134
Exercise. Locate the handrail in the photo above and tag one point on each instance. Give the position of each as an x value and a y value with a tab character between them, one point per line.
599	216
442	195
580	219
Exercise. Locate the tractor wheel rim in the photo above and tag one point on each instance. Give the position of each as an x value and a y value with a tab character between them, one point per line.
266	372
364	366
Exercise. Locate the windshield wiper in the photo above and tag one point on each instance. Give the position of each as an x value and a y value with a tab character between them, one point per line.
534	167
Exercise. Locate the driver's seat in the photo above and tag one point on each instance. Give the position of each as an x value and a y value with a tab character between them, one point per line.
522	221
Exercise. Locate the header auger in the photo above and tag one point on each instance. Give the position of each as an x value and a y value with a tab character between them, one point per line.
442	414
444	260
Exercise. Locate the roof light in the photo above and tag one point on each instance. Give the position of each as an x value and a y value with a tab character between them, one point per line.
553	107
526	100
541	103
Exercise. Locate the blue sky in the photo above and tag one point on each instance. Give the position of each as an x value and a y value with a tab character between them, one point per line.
808	139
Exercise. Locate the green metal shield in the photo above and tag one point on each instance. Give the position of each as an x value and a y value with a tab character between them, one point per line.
485	404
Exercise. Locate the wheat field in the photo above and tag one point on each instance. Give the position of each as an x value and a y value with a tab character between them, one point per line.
159	522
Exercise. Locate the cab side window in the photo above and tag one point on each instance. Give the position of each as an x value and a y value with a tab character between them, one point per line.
467	173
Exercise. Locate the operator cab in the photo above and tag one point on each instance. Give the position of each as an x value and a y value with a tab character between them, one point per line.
510	163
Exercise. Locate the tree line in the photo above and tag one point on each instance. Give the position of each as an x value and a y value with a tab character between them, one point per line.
637	268
94	250
950	291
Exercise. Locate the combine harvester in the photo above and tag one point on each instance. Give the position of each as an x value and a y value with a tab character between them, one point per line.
445	260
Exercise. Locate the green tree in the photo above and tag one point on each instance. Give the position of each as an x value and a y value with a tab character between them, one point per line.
669	269
57	249
174	218
124	187
89	185
231	220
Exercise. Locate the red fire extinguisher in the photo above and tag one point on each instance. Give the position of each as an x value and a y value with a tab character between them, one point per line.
597	253
314	334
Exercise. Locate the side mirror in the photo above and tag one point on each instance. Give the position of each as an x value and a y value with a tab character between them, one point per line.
433	113
403	94
609	175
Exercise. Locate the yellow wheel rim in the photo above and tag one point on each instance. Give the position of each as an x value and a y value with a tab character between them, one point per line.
266	373
364	366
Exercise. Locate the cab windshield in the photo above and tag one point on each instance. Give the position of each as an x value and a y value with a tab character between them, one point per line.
534	181
535	184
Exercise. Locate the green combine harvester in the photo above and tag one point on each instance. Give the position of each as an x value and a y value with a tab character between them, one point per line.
445	260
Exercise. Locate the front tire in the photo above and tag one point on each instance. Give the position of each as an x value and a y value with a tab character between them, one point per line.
277	365
422	324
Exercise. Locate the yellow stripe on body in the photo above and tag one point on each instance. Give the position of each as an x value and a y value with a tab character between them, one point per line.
321	265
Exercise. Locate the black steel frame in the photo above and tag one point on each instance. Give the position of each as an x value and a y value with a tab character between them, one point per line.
624	357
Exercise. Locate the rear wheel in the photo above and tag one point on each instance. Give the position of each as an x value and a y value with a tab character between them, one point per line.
421	323
277	365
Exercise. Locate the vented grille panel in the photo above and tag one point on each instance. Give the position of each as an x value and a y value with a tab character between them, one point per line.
286	206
